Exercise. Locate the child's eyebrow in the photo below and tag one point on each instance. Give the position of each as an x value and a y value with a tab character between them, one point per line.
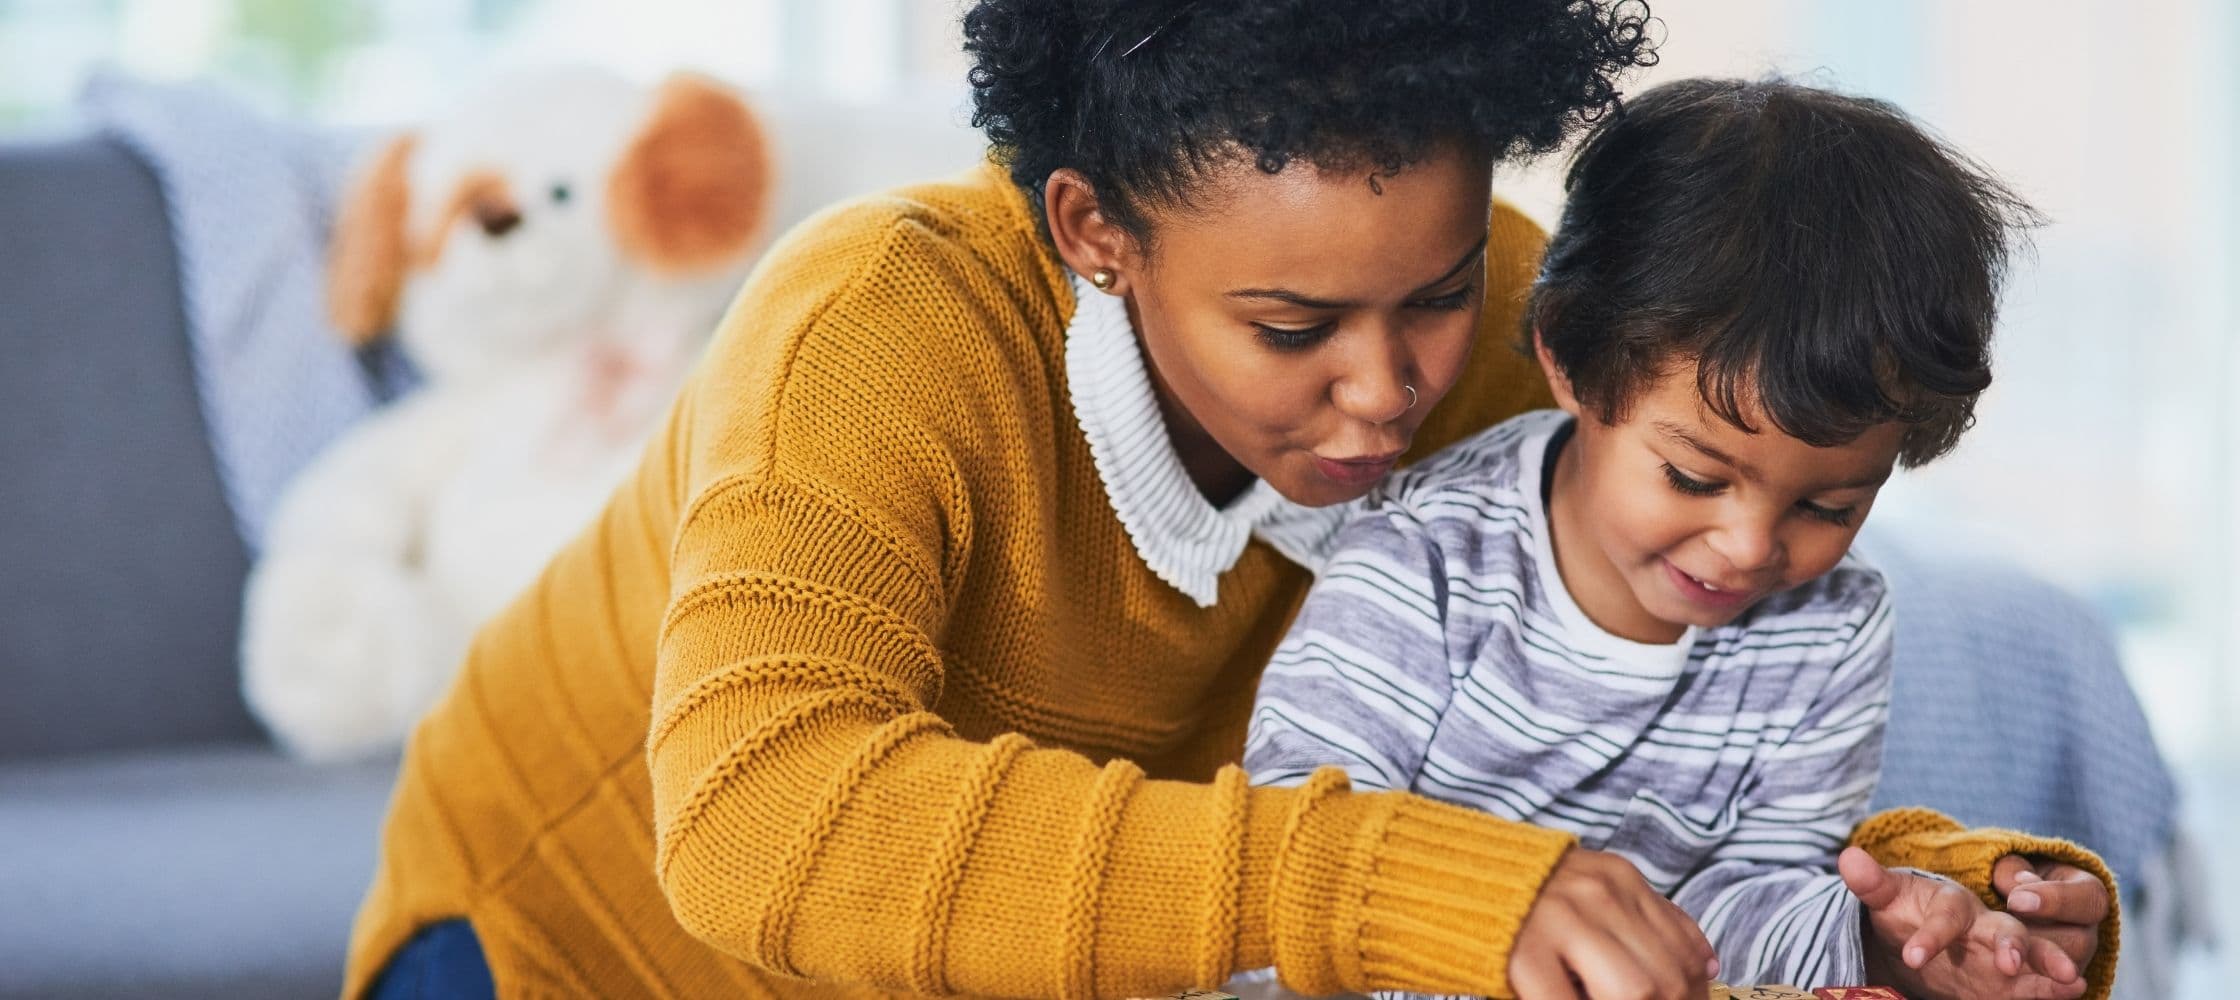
1680	434
1749	472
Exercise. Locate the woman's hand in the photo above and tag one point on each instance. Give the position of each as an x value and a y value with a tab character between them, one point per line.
1934	940
2063	904
1598	931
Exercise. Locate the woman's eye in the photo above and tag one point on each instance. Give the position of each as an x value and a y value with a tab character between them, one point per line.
1838	516
1285	338
1452	300
1689	484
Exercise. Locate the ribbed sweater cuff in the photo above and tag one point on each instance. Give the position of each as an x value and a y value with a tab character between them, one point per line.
1413	894
1927	839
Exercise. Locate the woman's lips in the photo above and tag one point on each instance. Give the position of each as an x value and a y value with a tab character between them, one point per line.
1361	471
1701	593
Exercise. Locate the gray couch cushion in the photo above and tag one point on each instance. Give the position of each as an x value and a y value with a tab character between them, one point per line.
219	873
121	595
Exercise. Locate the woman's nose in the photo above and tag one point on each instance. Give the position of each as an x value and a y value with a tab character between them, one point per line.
1379	389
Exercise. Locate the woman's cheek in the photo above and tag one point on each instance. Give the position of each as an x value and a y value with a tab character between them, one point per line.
1449	354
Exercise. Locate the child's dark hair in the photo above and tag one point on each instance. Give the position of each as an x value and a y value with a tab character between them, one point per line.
1143	96
1815	252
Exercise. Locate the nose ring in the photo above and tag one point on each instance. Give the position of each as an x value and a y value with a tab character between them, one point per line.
1411	397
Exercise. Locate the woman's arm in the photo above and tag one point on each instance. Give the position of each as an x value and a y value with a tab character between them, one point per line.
2074	892
805	790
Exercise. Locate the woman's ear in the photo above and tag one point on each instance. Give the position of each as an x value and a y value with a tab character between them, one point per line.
1558	382
1086	240
366	263
692	189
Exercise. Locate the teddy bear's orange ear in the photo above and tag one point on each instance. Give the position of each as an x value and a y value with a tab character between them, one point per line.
690	191
366	264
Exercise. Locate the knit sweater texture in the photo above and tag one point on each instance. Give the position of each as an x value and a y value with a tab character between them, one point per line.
857	687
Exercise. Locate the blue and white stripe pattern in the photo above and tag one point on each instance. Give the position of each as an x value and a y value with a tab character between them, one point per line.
1439	652
250	201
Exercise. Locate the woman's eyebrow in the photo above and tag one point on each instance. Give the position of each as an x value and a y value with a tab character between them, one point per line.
1304	301
1475	252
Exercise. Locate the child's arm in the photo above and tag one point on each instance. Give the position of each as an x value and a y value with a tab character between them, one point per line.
1362	679
1770	898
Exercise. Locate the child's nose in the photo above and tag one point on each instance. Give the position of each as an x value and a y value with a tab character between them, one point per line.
1747	545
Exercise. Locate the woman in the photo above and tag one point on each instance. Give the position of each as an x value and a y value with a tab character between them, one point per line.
914	656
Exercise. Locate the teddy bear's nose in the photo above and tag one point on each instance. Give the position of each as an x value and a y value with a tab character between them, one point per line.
496	219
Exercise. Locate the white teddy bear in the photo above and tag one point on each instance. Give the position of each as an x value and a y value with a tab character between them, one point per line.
552	257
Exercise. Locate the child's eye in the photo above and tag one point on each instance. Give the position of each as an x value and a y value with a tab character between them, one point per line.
1284	338
1838	516
1690	485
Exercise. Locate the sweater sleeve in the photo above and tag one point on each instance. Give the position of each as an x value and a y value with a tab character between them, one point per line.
816	816
1915	837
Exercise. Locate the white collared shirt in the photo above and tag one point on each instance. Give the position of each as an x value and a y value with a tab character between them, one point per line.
1180	534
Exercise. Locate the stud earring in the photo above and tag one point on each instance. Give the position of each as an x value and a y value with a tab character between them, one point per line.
1103	279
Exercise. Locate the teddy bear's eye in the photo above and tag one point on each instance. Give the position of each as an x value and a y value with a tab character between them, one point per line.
561	194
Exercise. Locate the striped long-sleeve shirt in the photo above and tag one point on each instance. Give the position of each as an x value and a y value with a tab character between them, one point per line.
1439	652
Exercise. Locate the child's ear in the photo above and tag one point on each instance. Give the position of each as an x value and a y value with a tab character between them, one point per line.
1558	382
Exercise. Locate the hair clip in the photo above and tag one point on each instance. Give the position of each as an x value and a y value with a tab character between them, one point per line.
1146	39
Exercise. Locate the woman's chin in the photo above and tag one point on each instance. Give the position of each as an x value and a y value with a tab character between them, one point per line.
1311	490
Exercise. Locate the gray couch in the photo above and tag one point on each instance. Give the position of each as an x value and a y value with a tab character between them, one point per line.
152	843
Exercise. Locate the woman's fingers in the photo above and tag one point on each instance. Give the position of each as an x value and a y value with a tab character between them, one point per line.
1611	964
1683	937
1605	926
2012	870
2065	895
2048	958
1539	975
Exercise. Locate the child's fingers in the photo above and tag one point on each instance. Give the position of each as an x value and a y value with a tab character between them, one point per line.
1877	887
1947	918
2002	937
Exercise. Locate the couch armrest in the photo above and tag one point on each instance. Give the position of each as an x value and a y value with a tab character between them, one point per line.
120	568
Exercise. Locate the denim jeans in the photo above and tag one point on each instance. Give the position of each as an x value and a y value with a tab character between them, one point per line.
442	962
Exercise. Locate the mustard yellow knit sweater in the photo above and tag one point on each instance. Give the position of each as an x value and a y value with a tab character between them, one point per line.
858	686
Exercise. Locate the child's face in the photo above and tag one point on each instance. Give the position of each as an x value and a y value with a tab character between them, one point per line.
1674	517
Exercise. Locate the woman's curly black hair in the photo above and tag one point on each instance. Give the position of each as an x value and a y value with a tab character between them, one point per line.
1143	96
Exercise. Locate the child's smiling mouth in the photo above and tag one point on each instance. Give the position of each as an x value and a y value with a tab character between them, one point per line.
1703	592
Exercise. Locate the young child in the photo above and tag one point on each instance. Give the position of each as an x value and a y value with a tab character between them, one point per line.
1636	618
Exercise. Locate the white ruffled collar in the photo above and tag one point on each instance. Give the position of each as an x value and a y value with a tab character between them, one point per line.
1179	534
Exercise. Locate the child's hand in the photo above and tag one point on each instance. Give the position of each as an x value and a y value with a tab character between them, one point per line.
1599	931
1935	940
